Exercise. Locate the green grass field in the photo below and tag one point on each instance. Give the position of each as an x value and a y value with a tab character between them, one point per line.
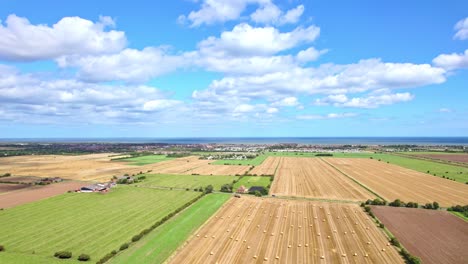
89	223
186	181
440	169
158	245
255	162
249	181
144	160
8	257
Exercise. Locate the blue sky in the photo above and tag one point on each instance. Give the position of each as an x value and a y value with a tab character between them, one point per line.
233	68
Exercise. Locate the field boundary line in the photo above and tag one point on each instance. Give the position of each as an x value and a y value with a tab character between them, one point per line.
195	232
354	180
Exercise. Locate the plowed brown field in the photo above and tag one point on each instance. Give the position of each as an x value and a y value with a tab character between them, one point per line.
395	182
312	177
35	193
436	237
268	166
250	230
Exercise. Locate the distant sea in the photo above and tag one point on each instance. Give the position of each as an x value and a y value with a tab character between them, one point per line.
259	140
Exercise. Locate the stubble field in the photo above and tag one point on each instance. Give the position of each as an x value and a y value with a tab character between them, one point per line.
312	177
268	167
254	230
395	182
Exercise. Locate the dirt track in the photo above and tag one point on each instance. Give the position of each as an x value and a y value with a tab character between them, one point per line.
35	193
312	177
395	182
436	237
253	230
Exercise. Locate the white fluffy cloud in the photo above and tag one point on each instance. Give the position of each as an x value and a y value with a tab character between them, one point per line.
327	116
371	101
28	98
22	41
271	14
372	74
129	65
213	11
245	40
310	54
462	29
452	61
288	101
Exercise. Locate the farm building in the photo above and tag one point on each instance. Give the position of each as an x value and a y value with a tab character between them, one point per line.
98	187
242	189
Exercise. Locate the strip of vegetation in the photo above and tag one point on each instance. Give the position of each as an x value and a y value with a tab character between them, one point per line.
144	232
161	243
410	259
461	211
5	175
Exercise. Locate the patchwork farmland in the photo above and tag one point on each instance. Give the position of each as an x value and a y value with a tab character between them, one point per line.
92	223
312	177
250	230
393	182
288	229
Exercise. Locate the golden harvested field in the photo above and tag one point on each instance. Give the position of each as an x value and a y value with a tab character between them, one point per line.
395	182
268	166
208	169
312	177
97	167
255	230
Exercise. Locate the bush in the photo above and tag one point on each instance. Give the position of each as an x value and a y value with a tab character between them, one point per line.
381	225
395	242
123	246
367	208
396	203
209	189
435	205
2	248
84	257
136	238
428	206
257	193
63	254
226	188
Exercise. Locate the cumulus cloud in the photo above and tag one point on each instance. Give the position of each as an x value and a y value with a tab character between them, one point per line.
288	101
462	29
310	54
129	65
25	97
213	11
271	14
366	75
22	41
452	61
245	40
327	116
372	101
